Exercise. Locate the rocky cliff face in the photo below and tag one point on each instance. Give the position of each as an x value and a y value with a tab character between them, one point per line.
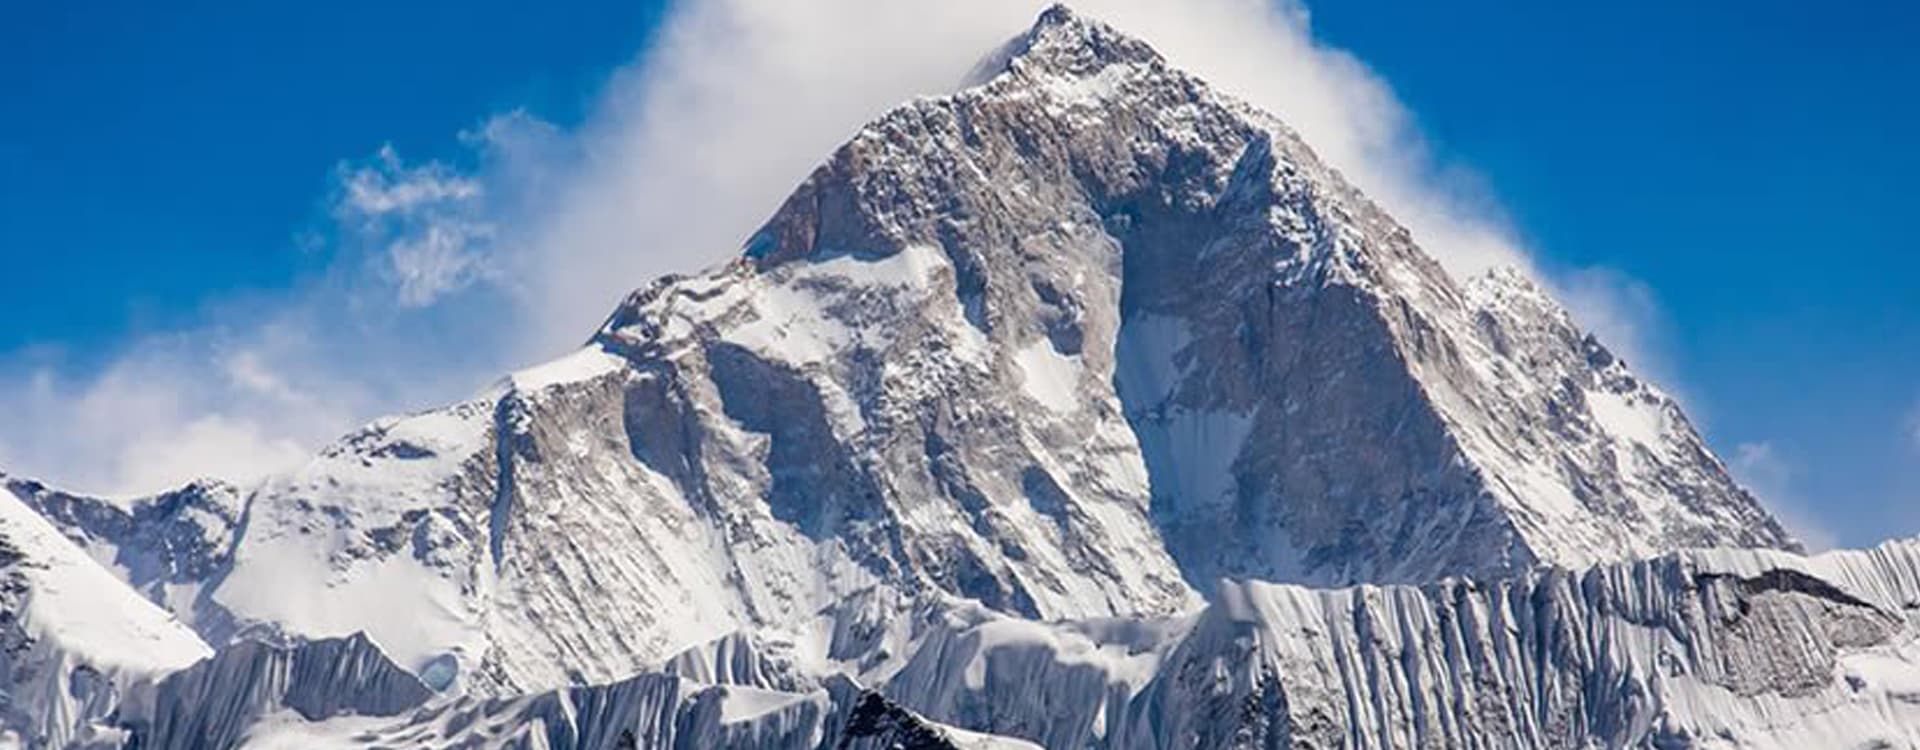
1070	346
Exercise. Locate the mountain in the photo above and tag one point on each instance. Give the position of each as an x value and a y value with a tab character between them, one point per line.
1085	407
71	635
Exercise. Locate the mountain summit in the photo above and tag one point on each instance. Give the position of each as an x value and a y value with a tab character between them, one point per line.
1077	341
997	420
1130	273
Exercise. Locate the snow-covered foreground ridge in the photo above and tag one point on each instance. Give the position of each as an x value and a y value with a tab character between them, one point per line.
965	442
1749	649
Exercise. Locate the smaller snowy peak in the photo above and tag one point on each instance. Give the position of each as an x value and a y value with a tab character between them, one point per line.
72	636
70	601
162	545
383	532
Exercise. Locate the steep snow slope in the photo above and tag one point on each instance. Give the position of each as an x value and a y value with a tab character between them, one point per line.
71	635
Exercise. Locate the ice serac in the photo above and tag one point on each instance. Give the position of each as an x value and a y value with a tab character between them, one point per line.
1711	649
219	701
1715	649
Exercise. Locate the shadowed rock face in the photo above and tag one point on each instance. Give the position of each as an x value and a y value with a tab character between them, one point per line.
877	722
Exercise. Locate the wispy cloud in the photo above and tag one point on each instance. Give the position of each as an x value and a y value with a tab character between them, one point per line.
170	409
1769	474
387	187
428	224
443	277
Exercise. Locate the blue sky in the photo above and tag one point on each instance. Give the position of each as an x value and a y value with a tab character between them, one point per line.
189	145
1740	174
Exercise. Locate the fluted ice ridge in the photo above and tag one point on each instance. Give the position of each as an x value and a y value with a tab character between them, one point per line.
1710	649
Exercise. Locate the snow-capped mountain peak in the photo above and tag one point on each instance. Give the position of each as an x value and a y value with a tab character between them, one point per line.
1075	341
972	432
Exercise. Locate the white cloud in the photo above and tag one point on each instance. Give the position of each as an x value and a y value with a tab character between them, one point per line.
437	260
444	277
209	445
1770	475
386	186
427	226
169	411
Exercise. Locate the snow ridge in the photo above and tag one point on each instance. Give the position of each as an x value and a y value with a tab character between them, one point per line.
1734	649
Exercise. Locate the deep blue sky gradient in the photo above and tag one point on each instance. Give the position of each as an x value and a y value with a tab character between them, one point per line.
1754	163
156	154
